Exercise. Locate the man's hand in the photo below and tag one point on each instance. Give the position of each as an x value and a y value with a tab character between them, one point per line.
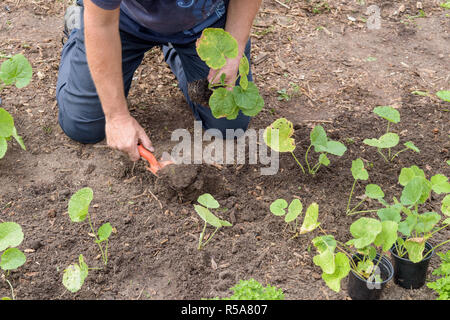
124	133
230	70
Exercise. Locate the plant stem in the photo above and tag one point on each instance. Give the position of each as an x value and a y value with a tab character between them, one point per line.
363	211
306	158
384	157
431	234
201	237
12	289
350	197
395	155
98	243
435	247
359	203
298	162
211	236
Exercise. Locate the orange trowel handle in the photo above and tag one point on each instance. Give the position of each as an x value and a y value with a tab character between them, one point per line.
147	155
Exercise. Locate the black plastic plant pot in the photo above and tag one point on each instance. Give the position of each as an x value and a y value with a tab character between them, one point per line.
367	289
410	275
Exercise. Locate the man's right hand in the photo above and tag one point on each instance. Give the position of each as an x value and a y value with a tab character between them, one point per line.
124	133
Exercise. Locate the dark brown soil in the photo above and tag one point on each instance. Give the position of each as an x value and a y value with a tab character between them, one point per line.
335	72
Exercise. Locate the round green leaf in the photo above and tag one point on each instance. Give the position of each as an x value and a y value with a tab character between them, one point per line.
215	45
374	191
445	208
412	191
79	204
222	103
426	221
410	145
364	230
6	124
207	216
318	137
3	147
333	147
358	170
440	184
246	99
11	235
407	226
294	209
326	246
415	248
310	222
278	136
407	174
444	95
73	278
323	159
16	70
389	214
208	201
341	270
12	258
388	113
388	235
278	207
104	232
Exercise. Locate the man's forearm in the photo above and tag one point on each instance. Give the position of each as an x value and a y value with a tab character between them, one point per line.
240	16
104	55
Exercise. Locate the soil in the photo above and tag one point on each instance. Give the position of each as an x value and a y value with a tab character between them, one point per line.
334	71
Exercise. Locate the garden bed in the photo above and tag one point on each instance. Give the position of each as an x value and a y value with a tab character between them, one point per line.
333	72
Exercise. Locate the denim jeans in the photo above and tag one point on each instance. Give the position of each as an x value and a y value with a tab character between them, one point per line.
80	112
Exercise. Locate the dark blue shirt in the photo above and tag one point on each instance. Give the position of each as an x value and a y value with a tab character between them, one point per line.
168	16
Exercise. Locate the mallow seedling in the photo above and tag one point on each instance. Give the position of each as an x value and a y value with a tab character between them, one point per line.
11	236
253	290
390	139
373	191
417	226
278	136
75	274
359	254
295	208
14	71
208	202
214	47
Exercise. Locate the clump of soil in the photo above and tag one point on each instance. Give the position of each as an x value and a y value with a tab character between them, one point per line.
188	181
199	92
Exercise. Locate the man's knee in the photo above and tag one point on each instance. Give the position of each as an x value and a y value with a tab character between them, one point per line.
78	128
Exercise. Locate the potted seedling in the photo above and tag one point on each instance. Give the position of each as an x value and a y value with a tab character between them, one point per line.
214	47
79	203
412	251
11	236
14	71
373	191
295	208
390	139
369	270
278	136
207	202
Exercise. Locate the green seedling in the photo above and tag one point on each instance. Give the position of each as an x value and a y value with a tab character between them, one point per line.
11	236
295	208
373	191
214	47
417	227
208	202
79	211
75	274
253	290
278	136
359	254
443	95
14	71
445	5
390	139
442	285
